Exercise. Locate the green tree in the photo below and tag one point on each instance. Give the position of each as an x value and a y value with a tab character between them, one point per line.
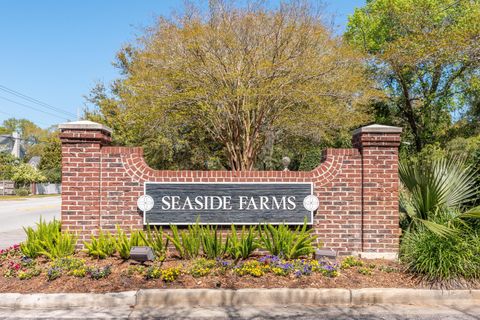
51	158
7	165
422	52
225	83
24	174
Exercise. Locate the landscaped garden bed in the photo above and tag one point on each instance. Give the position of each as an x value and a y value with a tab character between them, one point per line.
82	273
199	258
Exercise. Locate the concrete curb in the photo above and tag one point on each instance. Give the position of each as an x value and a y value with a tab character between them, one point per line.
159	298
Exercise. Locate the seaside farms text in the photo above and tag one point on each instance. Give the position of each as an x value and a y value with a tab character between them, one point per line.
226	203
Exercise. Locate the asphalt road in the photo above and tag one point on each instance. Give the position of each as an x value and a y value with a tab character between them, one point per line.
15	214
386	312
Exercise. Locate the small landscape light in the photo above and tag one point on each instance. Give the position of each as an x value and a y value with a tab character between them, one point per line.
325	253
142	254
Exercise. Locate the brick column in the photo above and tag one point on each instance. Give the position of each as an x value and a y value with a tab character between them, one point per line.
378	146
81	168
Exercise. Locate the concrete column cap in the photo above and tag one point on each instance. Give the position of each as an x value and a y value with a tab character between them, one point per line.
378	128
84	125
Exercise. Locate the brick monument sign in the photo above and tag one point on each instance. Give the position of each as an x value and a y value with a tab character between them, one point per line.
355	191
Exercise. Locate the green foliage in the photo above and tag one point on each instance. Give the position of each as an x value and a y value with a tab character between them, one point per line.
24	174
51	159
436	192
252	268
48	240
167	274
187	242
22	192
243	246
365	271
201	267
283	241
125	243
212	242
311	159
424	55
54	273
285	54
98	273
102	246
351	261
155	239
68	263
7	163
443	260
28	274
79	273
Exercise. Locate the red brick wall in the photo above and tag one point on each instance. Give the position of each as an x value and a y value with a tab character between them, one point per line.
357	188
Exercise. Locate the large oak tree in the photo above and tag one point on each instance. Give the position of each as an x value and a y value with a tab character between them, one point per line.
235	77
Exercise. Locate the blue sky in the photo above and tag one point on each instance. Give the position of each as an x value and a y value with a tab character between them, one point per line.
55	51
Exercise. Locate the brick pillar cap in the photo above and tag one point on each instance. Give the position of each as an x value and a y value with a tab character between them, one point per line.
378	128
84	125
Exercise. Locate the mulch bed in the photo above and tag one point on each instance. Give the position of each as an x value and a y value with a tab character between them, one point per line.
384	274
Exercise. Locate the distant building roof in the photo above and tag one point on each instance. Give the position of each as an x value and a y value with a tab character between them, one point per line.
34	161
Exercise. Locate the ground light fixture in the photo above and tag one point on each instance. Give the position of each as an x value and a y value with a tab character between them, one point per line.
321	254
142	254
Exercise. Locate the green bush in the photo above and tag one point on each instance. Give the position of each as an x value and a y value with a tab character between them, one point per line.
22	192
439	259
48	240
187	242
283	241
102	246
243	246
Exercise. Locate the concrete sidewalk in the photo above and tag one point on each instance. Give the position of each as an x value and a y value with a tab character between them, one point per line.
387	312
280	303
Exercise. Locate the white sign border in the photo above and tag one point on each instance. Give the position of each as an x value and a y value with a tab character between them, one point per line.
227	223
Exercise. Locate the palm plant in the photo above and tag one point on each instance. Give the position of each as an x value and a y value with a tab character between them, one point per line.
437	193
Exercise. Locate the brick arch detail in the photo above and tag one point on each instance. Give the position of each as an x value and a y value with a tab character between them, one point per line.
137	168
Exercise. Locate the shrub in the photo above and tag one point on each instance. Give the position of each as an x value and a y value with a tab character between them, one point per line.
283	241
187	242
22	192
48	240
102	246
212	242
243	246
437	192
439	259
